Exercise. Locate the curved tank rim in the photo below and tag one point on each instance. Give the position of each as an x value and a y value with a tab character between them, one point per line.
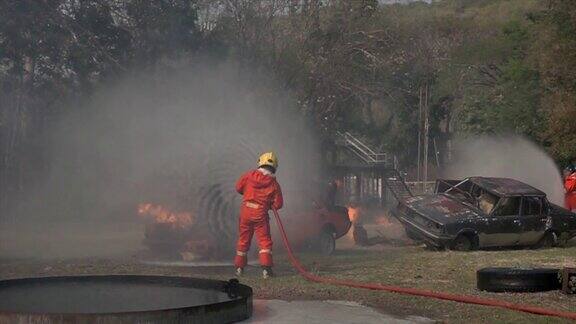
245	298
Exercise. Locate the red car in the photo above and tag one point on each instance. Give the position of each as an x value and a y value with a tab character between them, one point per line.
316	228
311	219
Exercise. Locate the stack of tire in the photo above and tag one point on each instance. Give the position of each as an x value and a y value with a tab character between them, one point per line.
567	278
518	279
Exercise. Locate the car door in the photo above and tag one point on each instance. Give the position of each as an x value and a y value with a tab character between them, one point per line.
533	220
503	226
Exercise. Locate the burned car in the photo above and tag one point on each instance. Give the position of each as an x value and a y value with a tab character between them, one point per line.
480	212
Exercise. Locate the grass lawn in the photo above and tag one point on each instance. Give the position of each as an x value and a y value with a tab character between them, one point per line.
453	272
414	266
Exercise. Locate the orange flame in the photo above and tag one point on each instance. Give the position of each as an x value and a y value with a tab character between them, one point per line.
354	214
162	214
383	220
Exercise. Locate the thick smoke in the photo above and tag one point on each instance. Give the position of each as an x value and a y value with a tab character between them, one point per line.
510	157
161	139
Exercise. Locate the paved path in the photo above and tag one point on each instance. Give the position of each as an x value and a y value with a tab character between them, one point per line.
322	312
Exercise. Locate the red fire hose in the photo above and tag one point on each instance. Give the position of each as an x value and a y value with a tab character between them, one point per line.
416	292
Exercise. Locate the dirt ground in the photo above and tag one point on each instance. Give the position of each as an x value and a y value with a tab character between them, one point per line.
411	266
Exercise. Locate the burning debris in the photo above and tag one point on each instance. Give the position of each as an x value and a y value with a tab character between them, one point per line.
163	215
387	230
354	213
354	216
176	233
205	230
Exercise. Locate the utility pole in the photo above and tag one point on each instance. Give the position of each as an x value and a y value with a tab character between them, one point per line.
426	133
419	133
436	153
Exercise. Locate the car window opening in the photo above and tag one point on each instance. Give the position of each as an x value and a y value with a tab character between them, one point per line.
531	206
470	194
461	190
508	206
486	202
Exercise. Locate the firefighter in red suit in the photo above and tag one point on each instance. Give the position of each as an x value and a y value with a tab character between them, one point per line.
570	187
261	192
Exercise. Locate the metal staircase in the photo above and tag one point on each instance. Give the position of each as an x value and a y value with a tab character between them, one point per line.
376	176
361	150
397	185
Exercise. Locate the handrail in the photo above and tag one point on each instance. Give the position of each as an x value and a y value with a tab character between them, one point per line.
359	145
363	151
358	142
363	157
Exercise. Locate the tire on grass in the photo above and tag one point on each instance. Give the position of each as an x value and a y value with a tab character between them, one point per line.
571	282
517	279
432	247
326	244
549	240
563	239
413	236
464	242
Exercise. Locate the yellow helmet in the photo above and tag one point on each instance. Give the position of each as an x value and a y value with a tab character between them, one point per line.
268	158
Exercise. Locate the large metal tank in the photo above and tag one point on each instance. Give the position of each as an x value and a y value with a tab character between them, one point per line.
123	299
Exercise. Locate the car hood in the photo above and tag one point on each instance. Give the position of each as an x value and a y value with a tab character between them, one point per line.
442	208
558	211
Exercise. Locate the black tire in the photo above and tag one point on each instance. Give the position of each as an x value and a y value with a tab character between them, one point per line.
572	284
326	244
563	240
463	243
432	247
549	240
413	236
517	279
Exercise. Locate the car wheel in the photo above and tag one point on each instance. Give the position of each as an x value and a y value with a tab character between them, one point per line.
462	243
326	243
571	284
563	239
517	279
411	235
432	247
549	240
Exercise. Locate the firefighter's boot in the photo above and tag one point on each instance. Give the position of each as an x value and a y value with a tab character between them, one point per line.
267	272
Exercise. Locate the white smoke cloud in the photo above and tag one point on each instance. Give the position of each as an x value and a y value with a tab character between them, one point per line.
510	157
159	139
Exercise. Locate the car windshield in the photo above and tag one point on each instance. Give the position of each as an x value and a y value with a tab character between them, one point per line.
473	195
486	202
461	191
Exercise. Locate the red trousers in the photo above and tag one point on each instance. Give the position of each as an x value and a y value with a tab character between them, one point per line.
570	201
253	220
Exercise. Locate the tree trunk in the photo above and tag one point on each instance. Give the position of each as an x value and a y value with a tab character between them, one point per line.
314	15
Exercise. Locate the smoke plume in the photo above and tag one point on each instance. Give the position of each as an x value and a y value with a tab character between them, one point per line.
510	157
176	139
